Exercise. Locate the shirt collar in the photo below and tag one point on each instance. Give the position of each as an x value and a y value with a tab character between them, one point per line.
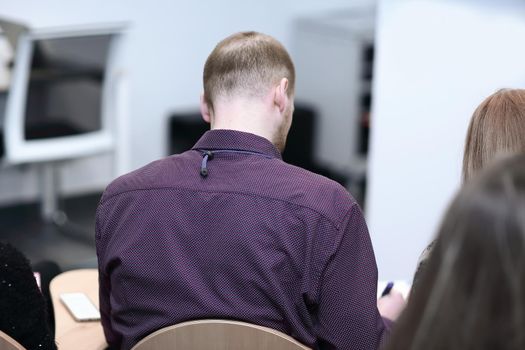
236	140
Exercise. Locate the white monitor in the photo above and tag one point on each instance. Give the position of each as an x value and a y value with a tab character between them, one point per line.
61	96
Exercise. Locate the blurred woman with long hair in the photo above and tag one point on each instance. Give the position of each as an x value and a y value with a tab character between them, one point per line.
496	130
472	292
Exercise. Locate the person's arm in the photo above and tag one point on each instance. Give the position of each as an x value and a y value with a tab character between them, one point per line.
348	317
112	338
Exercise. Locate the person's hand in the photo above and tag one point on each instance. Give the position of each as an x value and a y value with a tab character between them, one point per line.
391	305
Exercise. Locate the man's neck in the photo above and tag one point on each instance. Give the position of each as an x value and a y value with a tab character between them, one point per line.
244	115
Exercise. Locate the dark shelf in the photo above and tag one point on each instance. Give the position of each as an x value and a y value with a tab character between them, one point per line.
50	75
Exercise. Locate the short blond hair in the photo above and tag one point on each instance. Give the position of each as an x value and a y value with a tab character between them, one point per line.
497	128
246	63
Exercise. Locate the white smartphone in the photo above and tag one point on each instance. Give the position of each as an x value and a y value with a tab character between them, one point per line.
80	307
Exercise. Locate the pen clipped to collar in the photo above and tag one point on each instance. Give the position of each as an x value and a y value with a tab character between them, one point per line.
208	155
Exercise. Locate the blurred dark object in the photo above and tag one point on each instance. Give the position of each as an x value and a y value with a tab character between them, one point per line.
185	129
368	62
365	103
3	101
23	314
364	126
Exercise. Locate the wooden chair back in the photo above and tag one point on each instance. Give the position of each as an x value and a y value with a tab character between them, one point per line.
8	343
218	335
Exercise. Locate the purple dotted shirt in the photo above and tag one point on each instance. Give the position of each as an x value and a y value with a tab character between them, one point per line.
251	238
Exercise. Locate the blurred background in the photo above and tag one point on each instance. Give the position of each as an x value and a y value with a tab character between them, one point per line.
90	90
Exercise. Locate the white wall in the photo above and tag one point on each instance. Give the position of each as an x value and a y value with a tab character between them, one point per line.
328	70
436	61
164	52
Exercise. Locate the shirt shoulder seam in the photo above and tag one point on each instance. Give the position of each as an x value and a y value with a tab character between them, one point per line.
330	220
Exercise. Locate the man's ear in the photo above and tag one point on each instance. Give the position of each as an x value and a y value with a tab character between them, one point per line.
205	110
281	95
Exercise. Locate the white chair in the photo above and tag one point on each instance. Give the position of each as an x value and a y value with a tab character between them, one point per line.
65	106
218	335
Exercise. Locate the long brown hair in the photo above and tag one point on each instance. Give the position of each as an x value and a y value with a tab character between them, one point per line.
497	128
472	295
